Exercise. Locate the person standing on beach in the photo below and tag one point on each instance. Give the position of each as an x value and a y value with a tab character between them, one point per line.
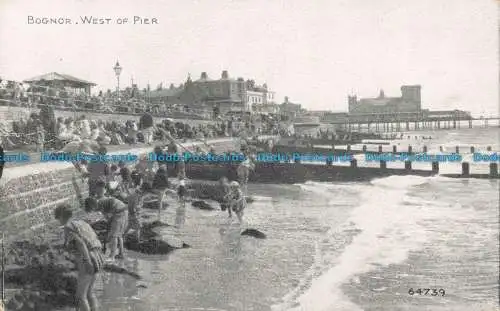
181	209
135	203
97	171
243	172
146	125
226	195
238	201
116	212
82	241
126	177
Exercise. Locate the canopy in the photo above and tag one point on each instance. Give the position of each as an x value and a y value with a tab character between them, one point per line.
64	78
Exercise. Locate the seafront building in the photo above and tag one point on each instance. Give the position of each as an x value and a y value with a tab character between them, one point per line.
406	107
221	95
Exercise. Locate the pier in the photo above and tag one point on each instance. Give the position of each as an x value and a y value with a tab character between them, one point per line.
399	122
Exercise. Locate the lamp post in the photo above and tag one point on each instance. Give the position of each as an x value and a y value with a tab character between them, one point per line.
118	71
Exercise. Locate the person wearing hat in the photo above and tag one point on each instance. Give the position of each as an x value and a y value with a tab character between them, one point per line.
238	201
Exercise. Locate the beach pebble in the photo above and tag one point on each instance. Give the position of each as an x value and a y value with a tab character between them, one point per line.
202	205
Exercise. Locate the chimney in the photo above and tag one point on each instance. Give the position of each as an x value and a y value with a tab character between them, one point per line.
225	75
204	76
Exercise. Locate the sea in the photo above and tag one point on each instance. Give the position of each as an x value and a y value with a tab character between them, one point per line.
396	243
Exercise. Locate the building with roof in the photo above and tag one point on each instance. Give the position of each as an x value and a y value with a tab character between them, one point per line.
225	94
167	96
409	102
289	109
61	81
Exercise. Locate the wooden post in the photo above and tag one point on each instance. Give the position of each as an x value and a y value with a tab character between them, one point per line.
354	163
408	165
383	164
493	169
465	169
435	167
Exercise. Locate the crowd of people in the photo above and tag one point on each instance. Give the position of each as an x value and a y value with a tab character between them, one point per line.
14	93
47	133
118	192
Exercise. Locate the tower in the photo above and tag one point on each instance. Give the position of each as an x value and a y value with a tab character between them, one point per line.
411	94
352	100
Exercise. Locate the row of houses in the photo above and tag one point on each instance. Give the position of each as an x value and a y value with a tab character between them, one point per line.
223	95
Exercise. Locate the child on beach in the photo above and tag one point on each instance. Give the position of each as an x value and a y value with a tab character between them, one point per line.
82	241
182	192
238	201
226	195
126	177
116	212
135	203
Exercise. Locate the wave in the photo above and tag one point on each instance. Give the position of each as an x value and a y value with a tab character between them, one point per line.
386	229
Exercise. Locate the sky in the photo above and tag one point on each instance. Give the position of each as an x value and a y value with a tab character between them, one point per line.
316	52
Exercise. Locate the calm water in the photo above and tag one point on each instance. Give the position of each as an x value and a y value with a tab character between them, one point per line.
334	246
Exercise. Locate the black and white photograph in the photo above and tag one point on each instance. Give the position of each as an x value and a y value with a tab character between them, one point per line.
249	155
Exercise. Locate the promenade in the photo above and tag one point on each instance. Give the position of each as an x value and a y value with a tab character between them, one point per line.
15	170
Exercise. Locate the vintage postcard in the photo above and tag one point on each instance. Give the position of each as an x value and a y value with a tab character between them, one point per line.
278	155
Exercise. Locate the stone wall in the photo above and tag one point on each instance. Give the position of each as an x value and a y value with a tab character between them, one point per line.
16	113
29	194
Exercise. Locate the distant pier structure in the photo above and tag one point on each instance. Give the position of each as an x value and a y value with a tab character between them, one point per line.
404	113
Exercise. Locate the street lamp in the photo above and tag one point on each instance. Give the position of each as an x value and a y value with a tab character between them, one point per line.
118	71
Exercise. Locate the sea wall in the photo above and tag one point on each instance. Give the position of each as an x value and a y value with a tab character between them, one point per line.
16	113
29	193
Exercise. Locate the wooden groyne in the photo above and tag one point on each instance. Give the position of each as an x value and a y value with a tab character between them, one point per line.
366	148
290	173
297	172
466	172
